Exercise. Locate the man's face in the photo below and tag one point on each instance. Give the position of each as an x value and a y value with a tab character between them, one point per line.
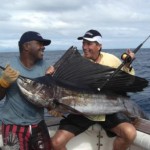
91	49
36	49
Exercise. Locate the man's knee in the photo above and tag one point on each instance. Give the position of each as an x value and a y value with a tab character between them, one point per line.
56	143
130	133
126	131
60	139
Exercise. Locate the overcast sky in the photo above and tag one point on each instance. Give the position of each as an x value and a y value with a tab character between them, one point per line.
122	23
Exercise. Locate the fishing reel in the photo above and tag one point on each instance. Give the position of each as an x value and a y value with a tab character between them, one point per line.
126	58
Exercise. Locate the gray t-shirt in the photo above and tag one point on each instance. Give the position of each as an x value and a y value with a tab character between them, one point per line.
17	110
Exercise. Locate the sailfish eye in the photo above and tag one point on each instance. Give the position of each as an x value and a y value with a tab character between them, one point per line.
34	84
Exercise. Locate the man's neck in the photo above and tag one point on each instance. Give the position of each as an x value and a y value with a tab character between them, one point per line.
97	59
27	62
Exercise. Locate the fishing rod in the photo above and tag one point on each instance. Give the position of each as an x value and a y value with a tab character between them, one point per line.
126	59
2	68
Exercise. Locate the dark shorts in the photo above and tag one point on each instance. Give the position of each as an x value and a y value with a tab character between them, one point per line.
77	124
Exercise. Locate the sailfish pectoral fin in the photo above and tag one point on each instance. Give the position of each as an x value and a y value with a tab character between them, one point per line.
69	109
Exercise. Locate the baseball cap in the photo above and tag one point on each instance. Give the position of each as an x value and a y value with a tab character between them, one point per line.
31	36
92	35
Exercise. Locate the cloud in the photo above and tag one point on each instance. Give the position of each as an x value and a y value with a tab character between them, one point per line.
123	23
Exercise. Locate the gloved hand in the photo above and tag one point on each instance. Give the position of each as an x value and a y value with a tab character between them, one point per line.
9	76
55	113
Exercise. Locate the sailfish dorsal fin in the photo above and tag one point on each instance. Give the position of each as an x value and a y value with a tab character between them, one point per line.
72	67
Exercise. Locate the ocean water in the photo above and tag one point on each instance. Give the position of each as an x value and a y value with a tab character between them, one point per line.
141	65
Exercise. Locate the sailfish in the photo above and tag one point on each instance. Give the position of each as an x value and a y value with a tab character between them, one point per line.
77	87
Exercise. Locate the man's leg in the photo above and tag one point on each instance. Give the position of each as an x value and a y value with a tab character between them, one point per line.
119	125
60	139
126	134
69	127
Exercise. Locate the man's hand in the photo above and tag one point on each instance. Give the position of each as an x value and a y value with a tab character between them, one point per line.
9	76
128	57
131	54
50	70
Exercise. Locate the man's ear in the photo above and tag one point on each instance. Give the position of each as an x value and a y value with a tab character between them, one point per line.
26	46
99	46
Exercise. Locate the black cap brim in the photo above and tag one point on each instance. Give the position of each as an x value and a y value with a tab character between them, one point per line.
46	42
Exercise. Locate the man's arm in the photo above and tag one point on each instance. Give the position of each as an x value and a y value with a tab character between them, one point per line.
128	68
9	76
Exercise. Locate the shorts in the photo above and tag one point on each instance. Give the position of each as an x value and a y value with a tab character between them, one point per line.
77	124
34	137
